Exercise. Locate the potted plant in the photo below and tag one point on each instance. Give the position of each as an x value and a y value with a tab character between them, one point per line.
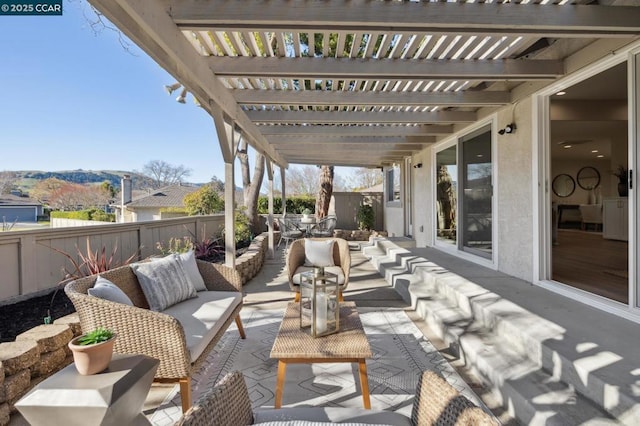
92	351
623	187
306	213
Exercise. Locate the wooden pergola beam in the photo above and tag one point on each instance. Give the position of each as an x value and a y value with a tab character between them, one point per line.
386	69
379	98
328	139
348	130
587	21
320	117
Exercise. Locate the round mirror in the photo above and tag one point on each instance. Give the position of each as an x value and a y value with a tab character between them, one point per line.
563	185
588	178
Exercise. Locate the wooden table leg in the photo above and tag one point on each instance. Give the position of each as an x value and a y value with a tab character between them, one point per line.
364	383
282	371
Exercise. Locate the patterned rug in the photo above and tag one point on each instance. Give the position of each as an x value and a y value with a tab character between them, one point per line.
400	353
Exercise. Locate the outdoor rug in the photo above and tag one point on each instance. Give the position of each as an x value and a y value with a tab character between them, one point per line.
400	353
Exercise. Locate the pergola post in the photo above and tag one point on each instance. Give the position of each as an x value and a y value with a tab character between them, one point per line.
270	213
228	137
284	200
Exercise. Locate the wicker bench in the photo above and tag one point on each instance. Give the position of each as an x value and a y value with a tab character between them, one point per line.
159	334
436	402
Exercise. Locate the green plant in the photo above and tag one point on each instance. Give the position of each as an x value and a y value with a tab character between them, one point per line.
96	336
203	201
176	245
306	211
243	234
365	217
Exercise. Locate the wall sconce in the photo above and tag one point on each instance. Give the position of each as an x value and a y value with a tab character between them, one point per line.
418	166
183	95
508	129
170	88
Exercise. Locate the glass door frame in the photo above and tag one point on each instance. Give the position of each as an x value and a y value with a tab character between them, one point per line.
457	249
542	184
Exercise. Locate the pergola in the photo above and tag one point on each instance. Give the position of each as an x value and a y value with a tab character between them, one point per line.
359	82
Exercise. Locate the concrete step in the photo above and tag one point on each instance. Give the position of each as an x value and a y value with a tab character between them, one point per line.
472	320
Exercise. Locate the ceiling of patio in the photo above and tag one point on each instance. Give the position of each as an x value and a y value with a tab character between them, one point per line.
382	80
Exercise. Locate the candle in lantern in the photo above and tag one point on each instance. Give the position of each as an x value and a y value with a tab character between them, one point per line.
321	312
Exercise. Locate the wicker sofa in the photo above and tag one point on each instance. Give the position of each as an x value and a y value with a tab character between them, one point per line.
436	402
179	338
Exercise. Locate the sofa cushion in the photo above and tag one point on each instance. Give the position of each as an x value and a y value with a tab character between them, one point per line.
329	415
163	282
333	269
318	253
203	316
105	289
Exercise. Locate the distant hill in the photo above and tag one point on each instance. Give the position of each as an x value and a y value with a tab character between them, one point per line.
28	178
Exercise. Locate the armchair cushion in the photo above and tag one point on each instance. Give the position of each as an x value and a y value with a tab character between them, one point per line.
203	316
105	289
318	252
163	282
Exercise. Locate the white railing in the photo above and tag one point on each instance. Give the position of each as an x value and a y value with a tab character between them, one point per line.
28	264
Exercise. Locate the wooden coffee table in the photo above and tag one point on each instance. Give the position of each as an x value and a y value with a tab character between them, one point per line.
295	346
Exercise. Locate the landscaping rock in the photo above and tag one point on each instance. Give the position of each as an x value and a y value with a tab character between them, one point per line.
49	363
4	414
16	385
18	356
49	337
73	321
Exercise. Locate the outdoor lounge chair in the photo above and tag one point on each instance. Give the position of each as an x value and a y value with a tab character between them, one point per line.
436	402
296	263
324	228
289	231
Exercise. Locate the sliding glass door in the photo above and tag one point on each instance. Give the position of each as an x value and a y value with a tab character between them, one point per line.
464	194
477	193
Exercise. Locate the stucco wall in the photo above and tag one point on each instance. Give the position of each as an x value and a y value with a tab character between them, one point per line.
423	201
514	216
393	211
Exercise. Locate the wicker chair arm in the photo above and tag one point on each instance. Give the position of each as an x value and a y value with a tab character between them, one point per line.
140	331
227	403
345	260
437	402
218	277
295	259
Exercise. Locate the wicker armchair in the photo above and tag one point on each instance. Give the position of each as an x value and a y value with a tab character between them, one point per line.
155	334
436	402
289	231
296	258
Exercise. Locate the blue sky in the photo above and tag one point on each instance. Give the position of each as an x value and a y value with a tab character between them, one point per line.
72	99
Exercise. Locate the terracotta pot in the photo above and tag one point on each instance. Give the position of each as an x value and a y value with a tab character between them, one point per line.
92	359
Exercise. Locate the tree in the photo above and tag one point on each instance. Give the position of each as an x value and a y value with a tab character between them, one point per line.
366	178
302	180
163	173
7	180
217	185
43	189
73	196
109	189
251	188
205	200
324	192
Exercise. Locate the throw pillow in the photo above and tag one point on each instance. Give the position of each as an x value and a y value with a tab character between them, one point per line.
190	266
105	289
318	253
163	282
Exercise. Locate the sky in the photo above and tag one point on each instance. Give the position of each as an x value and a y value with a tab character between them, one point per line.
76	99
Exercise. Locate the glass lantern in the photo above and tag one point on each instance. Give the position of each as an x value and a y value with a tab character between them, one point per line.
319	307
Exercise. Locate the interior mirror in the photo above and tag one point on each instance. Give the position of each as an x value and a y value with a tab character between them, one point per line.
563	185
588	178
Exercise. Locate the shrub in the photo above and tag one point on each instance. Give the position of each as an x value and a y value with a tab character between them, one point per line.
176	245
243	229
365	217
102	216
203	201
88	214
294	204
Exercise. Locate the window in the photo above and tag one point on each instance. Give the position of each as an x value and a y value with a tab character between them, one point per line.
393	184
